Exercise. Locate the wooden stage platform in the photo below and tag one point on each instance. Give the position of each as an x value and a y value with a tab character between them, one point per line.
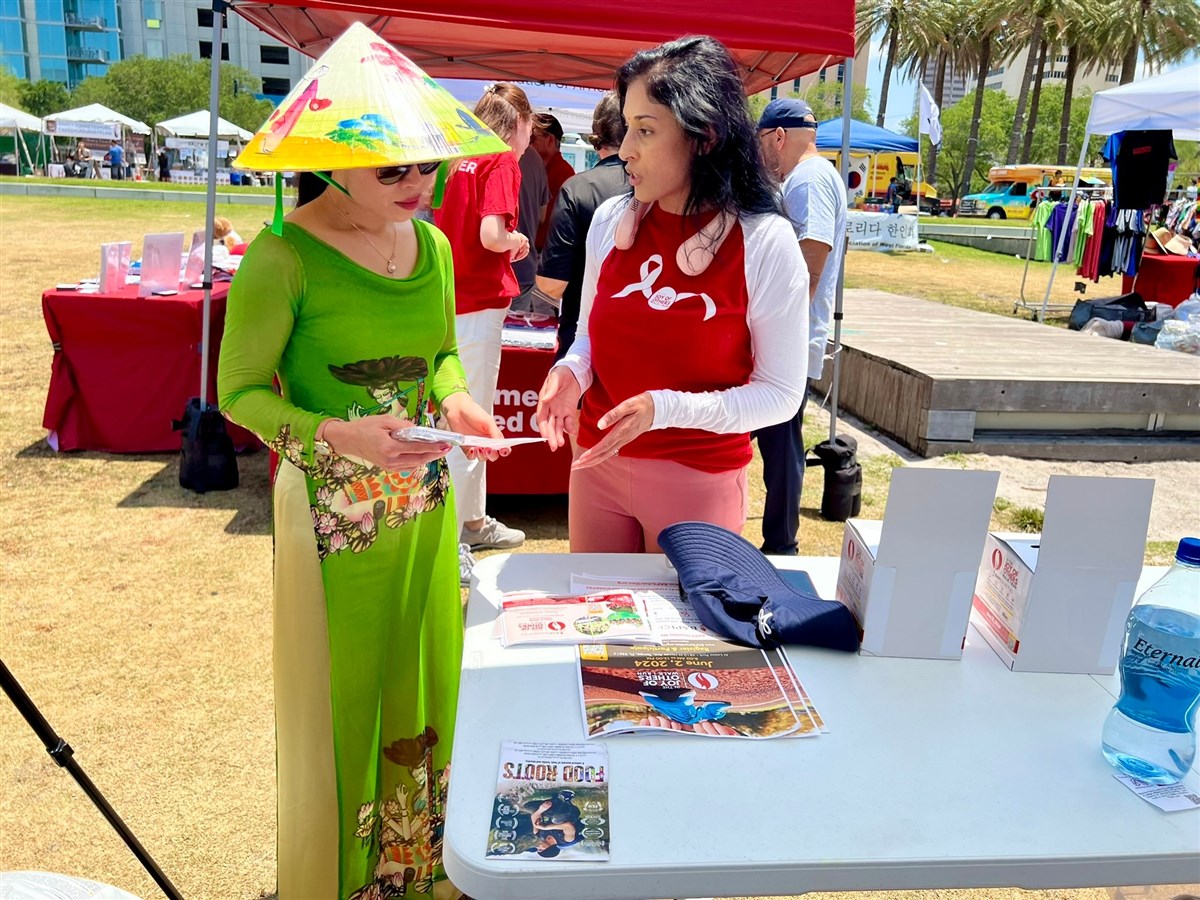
940	379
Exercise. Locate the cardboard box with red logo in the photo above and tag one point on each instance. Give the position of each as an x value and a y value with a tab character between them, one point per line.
909	579
1057	602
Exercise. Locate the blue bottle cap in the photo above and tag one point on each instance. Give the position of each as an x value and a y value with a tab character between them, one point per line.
1189	551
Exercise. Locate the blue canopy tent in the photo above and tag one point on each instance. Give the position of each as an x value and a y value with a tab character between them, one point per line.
863	136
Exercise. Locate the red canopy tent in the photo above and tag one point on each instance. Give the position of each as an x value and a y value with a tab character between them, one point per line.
579	43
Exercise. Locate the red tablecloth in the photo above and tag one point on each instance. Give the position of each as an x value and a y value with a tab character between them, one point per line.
125	367
1164	279
531	469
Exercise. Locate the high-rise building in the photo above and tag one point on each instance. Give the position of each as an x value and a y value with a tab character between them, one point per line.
71	40
59	40
1007	76
955	86
157	28
833	73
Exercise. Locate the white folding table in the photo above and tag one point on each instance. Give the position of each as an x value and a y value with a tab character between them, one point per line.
934	774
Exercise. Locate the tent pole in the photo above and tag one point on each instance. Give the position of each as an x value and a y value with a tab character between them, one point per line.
210	206
1062	236
844	172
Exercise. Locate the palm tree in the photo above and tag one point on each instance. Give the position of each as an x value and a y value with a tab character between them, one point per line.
907	34
1085	48
1029	30
1164	31
942	45
983	33
1035	98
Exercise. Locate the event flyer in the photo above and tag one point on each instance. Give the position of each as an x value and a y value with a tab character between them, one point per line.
530	617
711	688
551	803
670	612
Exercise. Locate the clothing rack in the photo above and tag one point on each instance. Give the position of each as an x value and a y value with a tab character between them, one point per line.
1102	192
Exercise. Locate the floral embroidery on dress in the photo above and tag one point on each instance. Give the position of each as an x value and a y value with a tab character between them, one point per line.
406	829
352	500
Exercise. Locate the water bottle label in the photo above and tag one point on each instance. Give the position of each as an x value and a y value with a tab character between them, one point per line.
1160	671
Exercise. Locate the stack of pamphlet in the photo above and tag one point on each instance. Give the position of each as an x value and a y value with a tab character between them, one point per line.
694	683
710	688
551	803
615	617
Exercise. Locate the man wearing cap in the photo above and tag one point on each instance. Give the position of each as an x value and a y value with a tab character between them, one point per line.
547	141
814	199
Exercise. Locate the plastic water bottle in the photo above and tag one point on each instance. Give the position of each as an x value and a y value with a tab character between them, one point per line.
1151	731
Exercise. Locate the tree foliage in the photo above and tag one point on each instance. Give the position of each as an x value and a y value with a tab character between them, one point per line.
825	99
994	126
152	90
44	97
10	88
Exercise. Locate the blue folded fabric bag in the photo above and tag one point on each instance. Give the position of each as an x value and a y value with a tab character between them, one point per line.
738	593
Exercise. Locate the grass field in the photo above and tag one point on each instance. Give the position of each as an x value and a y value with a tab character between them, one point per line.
137	615
125	185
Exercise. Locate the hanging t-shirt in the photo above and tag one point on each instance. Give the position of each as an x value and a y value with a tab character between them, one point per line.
486	186
1056	222
1044	244
1140	161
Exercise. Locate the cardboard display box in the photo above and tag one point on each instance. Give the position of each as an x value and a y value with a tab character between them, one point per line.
1057	602
909	579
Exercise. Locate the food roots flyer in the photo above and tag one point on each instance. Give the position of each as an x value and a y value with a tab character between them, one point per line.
551	803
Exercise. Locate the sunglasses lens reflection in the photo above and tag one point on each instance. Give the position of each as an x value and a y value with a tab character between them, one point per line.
392	174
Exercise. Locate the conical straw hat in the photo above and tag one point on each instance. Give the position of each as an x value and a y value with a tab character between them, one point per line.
364	104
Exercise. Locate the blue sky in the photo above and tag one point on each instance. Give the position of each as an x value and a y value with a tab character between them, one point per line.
900	96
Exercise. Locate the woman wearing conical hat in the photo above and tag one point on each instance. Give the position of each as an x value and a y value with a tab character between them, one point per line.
349	303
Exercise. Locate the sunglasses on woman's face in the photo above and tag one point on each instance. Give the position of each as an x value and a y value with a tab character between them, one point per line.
392	174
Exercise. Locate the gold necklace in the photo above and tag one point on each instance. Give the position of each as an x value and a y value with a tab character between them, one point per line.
390	260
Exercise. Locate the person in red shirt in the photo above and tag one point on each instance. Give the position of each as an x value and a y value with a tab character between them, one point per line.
693	327
479	216
546	142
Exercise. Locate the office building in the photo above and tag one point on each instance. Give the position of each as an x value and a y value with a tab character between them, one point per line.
71	40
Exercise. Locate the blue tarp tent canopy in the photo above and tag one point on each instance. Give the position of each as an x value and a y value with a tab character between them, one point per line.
863	136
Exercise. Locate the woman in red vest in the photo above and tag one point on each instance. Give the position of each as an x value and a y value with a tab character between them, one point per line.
693	326
479	216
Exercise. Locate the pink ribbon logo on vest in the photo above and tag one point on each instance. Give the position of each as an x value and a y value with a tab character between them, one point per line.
665	297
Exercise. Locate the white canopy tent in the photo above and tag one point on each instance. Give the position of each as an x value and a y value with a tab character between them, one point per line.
16	121
198	125
1167	102
98	112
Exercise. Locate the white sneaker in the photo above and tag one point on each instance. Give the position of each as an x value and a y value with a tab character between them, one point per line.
494	535
466	565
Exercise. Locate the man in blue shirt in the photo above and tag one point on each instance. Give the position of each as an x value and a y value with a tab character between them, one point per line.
814	199
116	161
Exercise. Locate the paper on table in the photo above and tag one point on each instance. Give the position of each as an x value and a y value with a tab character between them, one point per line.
673	616
1167	797
618	617
708	688
551	795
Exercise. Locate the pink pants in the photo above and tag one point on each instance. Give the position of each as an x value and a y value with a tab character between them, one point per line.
620	505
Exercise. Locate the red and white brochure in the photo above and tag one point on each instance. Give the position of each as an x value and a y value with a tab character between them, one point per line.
611	617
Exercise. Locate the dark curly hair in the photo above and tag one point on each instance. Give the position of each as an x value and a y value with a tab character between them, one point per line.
697	79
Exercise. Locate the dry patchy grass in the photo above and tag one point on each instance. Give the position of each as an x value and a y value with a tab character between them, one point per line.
966	277
137	615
